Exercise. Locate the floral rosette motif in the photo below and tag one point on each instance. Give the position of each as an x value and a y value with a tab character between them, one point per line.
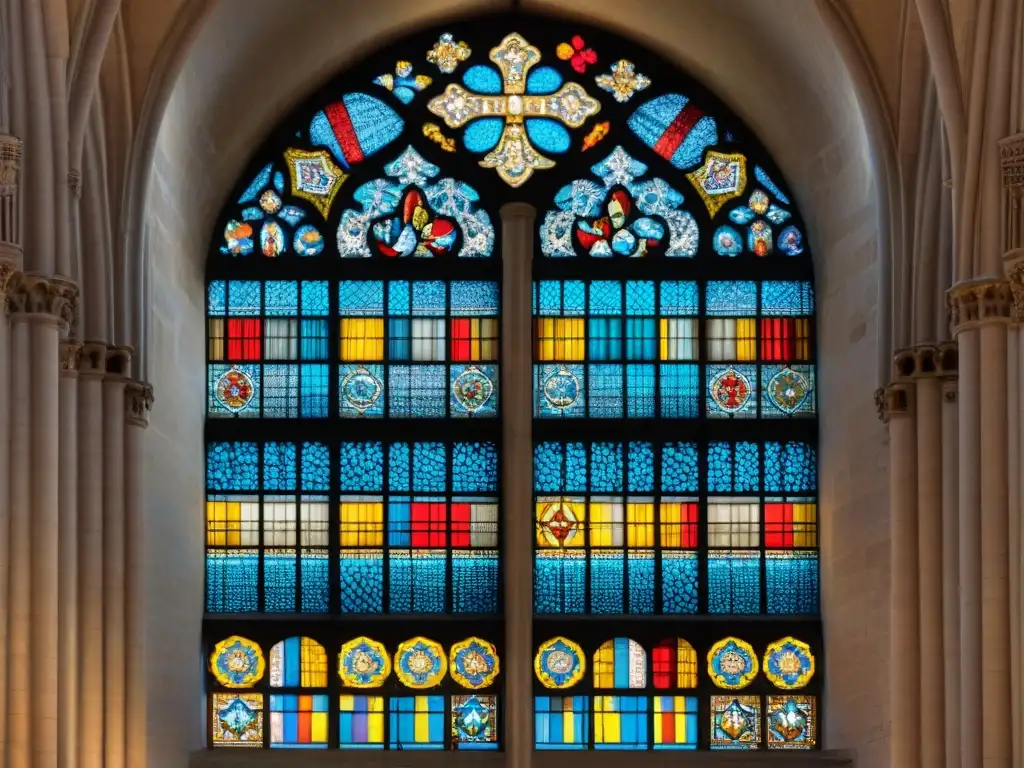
559	663
474	663
789	664
237	662
420	663
624	217
732	664
363	663
235	390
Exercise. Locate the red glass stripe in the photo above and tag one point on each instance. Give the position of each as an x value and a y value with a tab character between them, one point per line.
245	337
668	728
428	521
778	523
341	123
305	735
688	518
462	339
664	666
778	338
461	516
678	130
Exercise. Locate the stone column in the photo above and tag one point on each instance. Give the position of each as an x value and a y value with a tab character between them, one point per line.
517	480
10	269
905	642
950	555
1012	161
139	401
91	373
114	386
67	491
45	307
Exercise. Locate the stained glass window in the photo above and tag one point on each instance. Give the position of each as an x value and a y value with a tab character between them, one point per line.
355	402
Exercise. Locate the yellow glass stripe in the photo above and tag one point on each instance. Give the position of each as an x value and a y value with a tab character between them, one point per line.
805	517
362	338
313	669
657	720
604	668
362	524
346	703
319	728
679	706
375	720
663	335
216	351
607	725
421	721
602	524
640	530
568	721
224	523
489	338
560	338
746	338
803	339
671	533
686	665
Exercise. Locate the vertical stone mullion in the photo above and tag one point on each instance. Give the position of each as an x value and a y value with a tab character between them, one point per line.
517	480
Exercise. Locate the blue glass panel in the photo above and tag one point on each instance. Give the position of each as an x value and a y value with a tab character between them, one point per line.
679	579
243	298
256	186
429	298
641	582
362	581
748	467
680	390
482	135
679	470
606	581
316	473
231	582
639	297
313	391
559	391
314	298
417	581
547	467
575	468
679	298
790	468
640	391
315	582
399	338
281	298
314	339
399	468
559	582
548	135
216	297
606	468
361	297
734	582
605	391
232	467
720	467
361	390
552	715
279	467
788	297
474	468
641	467
543	80
573	302
734	298
362	467
404	733
471	298
417	391
281	391
482	79
792	582
604	338
631	714
399	297
278	583
475	582
550	297
606	297
763	177
641	338
428	468
652	120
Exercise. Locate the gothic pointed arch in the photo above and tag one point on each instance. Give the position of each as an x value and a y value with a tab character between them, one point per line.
355	409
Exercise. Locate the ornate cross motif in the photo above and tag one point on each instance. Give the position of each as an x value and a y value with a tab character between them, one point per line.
514	157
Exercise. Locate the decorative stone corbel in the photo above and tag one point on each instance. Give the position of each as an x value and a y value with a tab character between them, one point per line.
93	360
70	357
119	362
893	400
10	218
138	402
1011	158
1013	266
973	303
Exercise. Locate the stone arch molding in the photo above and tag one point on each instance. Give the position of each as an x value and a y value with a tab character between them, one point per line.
193	143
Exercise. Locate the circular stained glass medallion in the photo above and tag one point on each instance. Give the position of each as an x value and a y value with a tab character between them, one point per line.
730	390
308	241
789	663
235	390
474	663
472	389
558	524
559	663
788	390
420	663
732	664
361	389
562	389
270	201
237	662
363	663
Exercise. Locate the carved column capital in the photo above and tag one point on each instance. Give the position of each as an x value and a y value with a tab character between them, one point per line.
70	357
10	164
925	361
119	362
75	183
1011	158
53	296
893	400
93	360
138	402
974	303
1013	266
10	218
